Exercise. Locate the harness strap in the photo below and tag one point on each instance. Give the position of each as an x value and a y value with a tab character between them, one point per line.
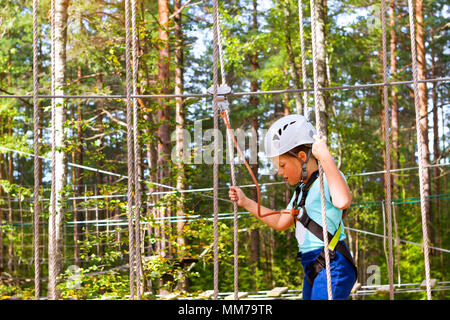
335	245
304	189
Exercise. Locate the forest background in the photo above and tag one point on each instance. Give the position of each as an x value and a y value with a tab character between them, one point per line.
262	52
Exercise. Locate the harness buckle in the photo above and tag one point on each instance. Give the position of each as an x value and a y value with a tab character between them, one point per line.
331	253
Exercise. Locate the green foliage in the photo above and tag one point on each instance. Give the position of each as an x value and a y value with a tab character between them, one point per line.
96	137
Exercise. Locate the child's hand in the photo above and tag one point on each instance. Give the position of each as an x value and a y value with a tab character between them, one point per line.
236	194
320	148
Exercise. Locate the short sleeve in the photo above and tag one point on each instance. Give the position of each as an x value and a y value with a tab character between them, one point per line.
290	204
327	188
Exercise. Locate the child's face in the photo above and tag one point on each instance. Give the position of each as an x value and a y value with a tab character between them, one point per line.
289	168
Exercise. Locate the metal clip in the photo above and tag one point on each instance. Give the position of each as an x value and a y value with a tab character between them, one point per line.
222	91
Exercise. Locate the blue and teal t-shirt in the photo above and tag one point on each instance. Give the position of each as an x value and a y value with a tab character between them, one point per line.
306	240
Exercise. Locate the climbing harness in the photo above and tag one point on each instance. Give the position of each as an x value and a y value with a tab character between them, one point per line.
335	245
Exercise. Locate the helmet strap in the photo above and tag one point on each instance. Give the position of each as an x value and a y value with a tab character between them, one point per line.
304	163
304	171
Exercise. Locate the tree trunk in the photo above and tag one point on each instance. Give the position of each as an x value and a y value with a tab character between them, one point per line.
163	112
435	71
180	118
151	146
295	74
421	69
321	55
77	157
61	10
394	100
99	177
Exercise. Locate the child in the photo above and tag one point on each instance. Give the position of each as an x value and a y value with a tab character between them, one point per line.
294	149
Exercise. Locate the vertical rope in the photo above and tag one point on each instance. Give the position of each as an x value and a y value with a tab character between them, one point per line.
37	269
232	170
52	238
235	212
216	153
420	151
302	52
319	129
219	36
137	185
388	152
130	155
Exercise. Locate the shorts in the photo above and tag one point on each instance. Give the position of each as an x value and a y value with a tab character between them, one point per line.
343	277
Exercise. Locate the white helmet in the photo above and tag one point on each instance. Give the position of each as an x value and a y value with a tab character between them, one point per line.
287	133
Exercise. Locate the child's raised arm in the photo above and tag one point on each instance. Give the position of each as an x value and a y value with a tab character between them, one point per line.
339	190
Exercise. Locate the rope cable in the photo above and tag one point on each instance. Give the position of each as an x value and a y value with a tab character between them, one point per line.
52	241
130	153
216	152
137	186
420	150
225	116
220	48
37	270
235	94
320	132
387	153
235	209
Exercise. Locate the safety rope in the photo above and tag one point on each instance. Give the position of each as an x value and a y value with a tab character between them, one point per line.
220	47
37	269
53	252
232	169
130	153
420	150
225	115
320	132
216	152
388	152
137	185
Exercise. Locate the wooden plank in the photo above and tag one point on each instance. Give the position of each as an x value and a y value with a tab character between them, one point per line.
383	289
356	287
423	285
208	294
240	296
277	291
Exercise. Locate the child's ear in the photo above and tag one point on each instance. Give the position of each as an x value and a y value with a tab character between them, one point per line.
302	155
